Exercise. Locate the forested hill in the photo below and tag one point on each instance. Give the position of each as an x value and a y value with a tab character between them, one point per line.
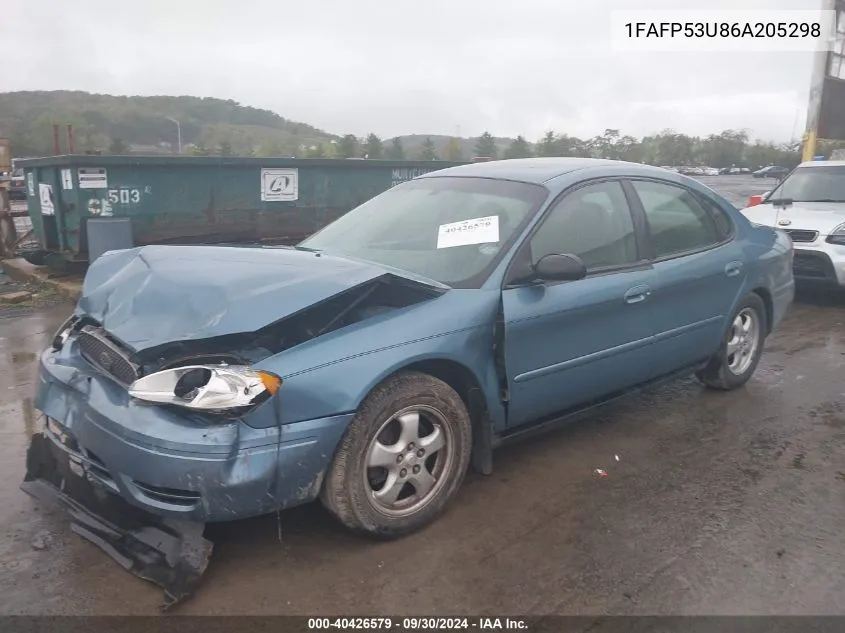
143	123
146	125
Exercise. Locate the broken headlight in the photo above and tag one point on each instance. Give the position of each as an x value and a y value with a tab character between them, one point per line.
207	387
64	331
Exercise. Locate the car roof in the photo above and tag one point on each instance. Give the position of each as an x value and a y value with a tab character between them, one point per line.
533	170
823	163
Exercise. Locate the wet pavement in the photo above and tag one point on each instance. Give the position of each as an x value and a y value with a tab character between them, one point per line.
720	503
737	189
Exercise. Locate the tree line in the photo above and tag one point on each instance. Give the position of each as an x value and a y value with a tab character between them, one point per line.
122	125
729	148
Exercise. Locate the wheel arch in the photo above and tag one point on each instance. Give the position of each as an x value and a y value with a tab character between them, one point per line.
457	375
469	388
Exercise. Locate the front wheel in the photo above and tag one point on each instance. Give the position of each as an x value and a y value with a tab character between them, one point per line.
402	459
734	364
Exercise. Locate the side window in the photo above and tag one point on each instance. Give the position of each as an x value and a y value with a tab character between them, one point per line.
594	223
724	225
678	222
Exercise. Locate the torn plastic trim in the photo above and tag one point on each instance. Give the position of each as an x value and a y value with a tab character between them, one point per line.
168	552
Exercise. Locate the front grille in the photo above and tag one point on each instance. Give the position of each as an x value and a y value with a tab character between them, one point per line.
106	355
802	235
812	265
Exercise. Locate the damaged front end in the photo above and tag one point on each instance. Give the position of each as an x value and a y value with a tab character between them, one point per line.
164	400
168	552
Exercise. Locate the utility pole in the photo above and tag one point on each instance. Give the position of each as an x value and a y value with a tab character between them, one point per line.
178	132
820	65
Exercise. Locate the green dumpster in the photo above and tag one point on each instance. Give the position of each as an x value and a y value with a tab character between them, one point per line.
198	199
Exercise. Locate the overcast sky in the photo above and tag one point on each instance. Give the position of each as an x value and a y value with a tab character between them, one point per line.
401	67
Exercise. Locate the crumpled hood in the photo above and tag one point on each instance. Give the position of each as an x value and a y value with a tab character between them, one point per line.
153	295
811	216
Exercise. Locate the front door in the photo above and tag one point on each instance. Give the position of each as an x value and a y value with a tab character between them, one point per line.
567	343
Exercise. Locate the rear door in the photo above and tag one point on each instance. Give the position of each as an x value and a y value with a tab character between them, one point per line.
569	342
699	271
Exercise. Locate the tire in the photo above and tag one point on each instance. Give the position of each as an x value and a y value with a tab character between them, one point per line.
358	493
36	258
726	370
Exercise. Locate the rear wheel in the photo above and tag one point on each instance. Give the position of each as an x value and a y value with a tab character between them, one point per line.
402	459
735	362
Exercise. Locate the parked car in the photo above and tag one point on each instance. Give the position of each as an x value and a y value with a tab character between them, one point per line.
732	171
369	365
771	171
809	204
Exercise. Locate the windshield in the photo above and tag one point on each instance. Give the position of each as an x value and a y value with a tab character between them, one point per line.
452	230
812	184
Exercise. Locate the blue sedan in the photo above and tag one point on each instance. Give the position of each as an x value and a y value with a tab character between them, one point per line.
372	364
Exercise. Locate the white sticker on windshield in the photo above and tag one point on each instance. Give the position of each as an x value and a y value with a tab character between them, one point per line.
475	231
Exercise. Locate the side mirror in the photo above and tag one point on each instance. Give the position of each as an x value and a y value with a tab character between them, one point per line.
555	267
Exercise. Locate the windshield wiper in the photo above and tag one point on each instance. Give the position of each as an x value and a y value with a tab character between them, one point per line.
822	200
779	202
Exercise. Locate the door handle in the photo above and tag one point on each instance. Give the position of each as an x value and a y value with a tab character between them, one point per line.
733	269
637	294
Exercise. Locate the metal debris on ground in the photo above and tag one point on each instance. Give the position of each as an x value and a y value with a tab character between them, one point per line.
616	457
41	540
601	473
168	552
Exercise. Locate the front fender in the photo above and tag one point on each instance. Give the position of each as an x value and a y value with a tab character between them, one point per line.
339	387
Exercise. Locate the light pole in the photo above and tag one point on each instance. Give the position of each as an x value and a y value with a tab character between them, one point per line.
178	132
817	86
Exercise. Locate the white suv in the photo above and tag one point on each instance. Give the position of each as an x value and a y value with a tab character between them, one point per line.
809	204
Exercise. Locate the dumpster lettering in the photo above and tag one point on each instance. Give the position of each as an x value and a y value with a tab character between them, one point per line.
404	174
124	196
45	194
67	179
279	185
99	207
92	178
